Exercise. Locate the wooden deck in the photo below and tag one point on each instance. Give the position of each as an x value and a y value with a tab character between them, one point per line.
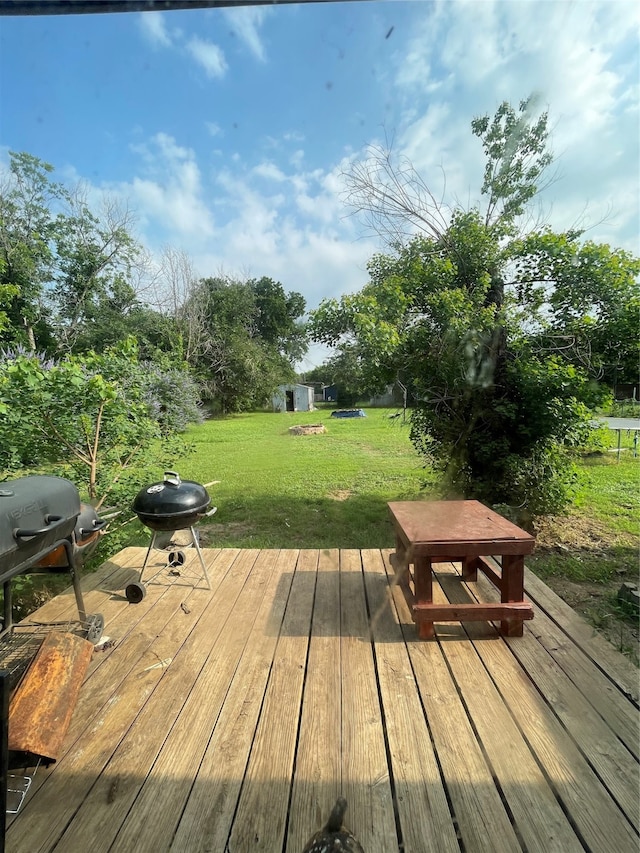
231	719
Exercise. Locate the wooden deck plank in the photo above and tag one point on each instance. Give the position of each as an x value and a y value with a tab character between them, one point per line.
260	822
299	676
179	727
365	771
426	821
92	697
613	664
98	690
317	779
106	804
81	767
208	815
599	744
538	817
132	628
596	687
595	814
63	606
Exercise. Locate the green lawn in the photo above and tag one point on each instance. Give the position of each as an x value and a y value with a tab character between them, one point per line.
315	491
330	491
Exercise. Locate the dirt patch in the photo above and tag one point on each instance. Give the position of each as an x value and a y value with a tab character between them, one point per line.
307	429
583	541
574	533
339	495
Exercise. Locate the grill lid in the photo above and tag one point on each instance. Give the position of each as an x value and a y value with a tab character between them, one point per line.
172	497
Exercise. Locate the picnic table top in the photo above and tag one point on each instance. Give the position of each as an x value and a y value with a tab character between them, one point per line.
457	523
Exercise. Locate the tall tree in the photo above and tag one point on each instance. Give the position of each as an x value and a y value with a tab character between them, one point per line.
248	340
95	255
27	225
66	271
497	401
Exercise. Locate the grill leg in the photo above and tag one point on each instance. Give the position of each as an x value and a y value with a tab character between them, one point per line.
75	579
149	549
8	613
196	545
4	753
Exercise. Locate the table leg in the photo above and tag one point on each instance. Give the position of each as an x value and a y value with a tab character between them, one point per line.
423	581
512	590
470	568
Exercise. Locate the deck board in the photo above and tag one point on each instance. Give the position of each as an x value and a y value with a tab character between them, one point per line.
299	676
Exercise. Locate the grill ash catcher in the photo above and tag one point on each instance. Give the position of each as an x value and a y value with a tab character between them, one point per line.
166	507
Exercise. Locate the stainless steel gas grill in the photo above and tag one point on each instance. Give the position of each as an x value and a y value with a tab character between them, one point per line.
165	507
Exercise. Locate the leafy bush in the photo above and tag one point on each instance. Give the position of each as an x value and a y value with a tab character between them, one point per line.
99	419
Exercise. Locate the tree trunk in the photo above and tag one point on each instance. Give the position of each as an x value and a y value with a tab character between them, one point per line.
30	336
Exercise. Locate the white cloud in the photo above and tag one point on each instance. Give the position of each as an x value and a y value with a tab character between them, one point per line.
154	29
249	220
469	56
246	22
213	128
296	158
169	195
276	215
209	55
269	171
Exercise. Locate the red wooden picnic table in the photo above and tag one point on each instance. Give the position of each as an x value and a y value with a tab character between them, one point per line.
468	532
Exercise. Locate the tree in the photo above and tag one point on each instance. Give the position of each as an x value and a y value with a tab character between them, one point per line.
247	338
98	417
26	233
277	318
94	260
498	402
180	298
66	271
583	300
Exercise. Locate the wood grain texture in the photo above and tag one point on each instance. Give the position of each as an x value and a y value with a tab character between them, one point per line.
263	806
317	780
299	677
365	772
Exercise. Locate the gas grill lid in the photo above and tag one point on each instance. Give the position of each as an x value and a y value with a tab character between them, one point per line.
35	512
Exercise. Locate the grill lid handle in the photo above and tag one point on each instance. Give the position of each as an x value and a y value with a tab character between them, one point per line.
98	524
52	521
172	477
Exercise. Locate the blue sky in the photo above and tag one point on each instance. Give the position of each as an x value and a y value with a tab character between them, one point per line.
226	132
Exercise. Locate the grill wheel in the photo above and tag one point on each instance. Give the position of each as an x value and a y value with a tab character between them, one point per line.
135	592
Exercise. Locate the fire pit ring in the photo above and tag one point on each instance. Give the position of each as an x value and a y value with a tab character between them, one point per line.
307	429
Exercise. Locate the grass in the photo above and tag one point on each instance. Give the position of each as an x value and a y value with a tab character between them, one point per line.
326	490
330	490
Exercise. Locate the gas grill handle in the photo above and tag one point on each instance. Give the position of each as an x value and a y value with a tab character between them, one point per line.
98	524
52	522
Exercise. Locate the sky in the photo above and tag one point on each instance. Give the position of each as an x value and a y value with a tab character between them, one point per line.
227	132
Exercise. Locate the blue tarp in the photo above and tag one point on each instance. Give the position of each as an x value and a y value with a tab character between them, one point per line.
348	413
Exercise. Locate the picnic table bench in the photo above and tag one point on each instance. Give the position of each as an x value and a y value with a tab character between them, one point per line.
467	532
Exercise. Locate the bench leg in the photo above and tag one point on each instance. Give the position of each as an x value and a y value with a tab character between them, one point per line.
423	581
470	568
512	590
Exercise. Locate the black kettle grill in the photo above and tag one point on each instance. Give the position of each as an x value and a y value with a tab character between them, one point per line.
169	505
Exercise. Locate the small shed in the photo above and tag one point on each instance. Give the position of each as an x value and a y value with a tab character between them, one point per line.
293	398
330	393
